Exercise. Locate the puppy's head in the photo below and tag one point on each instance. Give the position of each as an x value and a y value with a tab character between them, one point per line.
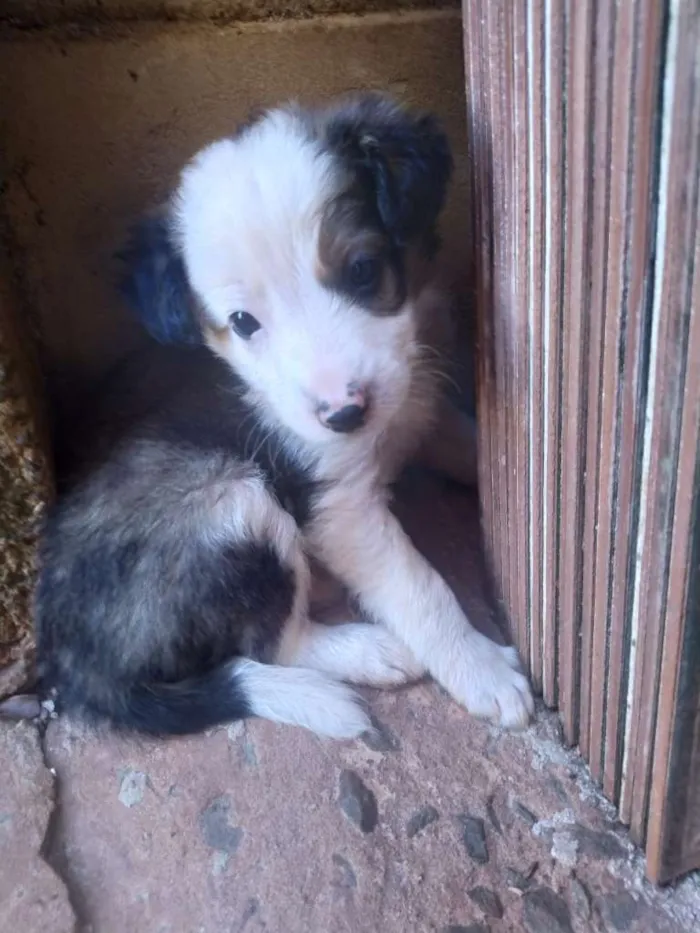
289	250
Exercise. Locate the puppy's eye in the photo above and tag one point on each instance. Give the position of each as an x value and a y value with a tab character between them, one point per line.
364	272
244	324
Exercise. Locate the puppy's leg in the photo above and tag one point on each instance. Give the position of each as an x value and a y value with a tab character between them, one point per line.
337	640
357	652
367	549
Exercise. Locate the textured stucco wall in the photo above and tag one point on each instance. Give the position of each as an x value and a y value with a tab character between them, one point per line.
24	490
95	128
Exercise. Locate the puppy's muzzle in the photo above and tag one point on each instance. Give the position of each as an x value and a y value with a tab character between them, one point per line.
349	415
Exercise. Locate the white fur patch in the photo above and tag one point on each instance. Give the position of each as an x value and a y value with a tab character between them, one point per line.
357	652
302	697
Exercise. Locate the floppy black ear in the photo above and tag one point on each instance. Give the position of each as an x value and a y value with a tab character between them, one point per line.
404	155
154	284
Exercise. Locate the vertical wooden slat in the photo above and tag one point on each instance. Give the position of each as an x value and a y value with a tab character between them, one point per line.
576	270
667	476
634	112
673	841
647	86
489	399
505	280
586	168
476	143
493	189
590	699
609	314
519	317
625	143
535	247
605	637
556	110
499	175
658	469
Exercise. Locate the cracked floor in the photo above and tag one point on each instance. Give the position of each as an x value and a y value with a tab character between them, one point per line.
437	824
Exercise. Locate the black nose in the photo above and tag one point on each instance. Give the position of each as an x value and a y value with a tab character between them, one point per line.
346	419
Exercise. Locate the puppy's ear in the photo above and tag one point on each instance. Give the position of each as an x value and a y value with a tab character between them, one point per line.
403	155
154	283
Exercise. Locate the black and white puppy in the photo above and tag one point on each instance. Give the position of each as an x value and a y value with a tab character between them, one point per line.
175	577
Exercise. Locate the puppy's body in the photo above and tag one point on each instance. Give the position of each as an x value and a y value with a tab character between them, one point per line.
175	584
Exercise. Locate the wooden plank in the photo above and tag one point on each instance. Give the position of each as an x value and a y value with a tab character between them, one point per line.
605	673
486	272
678	179
479	147
536	320
576	270
505	308
491	447
520	337
673	832
587	170
590	719
639	81
473	144
555	120
673	840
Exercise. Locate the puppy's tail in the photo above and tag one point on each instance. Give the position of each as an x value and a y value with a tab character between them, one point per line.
239	690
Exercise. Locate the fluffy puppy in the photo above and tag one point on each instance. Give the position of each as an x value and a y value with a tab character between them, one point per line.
289	283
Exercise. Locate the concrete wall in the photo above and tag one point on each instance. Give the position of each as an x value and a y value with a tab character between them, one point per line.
95	127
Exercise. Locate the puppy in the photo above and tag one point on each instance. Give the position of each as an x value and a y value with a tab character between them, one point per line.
289	282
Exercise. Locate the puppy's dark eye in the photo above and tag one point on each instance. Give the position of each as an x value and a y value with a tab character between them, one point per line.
364	273
244	324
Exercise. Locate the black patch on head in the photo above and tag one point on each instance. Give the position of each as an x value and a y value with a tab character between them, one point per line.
356	255
154	284
402	156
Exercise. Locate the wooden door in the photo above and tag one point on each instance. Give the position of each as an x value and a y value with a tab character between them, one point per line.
584	136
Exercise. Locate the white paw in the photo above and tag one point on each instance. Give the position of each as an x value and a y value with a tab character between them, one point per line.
486	679
301	697
334	710
383	660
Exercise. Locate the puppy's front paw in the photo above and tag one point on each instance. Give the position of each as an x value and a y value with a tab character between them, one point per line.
487	680
381	659
392	664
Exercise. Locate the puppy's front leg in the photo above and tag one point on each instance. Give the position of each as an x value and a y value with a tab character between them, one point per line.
368	550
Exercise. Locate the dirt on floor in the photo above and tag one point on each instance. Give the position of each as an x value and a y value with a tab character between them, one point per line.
434	824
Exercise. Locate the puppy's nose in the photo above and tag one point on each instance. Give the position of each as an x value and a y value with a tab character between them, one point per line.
347	416
346	419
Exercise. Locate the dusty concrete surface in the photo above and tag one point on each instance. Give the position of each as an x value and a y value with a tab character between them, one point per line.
32	896
96	128
440	823
435	824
